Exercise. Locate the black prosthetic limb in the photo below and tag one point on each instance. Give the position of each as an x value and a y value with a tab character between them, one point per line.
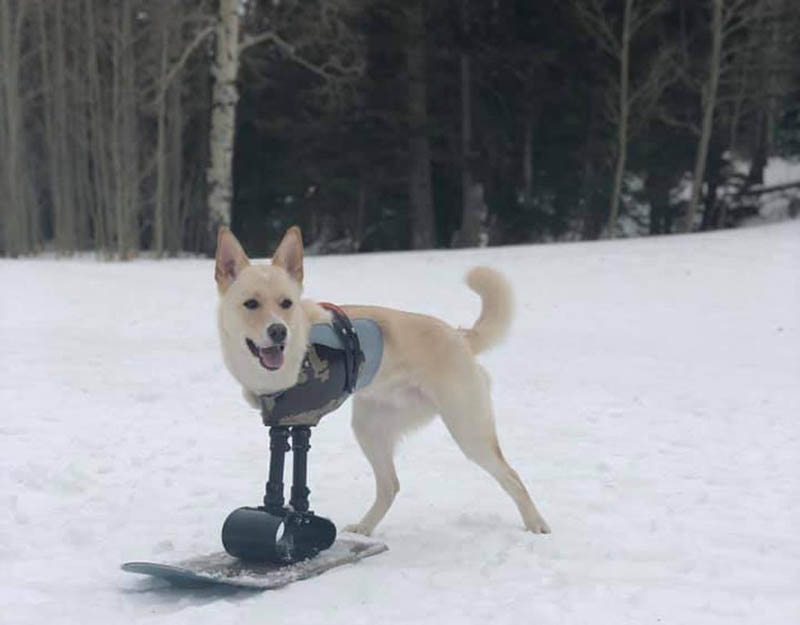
272	532
278	446
301	434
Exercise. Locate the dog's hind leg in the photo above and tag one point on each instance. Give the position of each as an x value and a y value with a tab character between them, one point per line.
469	419
378	427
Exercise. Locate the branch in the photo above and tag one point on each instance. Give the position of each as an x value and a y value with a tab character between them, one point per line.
734	10
331	71
660	76
162	85
738	16
667	117
688	79
640	19
778	187
596	23
184	57
285	47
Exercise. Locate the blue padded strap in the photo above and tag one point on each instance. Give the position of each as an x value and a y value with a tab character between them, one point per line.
371	340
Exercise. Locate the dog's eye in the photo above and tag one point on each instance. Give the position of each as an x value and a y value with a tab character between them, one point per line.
251	304
286	303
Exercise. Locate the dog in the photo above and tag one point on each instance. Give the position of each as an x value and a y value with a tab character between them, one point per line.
428	367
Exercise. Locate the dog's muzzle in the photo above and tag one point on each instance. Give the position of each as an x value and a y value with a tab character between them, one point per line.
271	358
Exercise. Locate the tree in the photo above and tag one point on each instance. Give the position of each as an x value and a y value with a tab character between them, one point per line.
423	233
19	217
225	95
379	125
473	205
59	156
325	25
614	36
709	102
728	27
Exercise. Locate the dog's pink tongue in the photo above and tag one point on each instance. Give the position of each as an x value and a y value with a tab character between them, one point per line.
271	357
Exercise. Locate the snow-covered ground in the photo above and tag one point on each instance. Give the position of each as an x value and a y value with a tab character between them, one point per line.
776	206
649	397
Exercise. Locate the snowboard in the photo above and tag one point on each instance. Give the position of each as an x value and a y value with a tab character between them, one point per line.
223	569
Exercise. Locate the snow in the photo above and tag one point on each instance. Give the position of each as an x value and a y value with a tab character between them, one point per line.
781	171
772	207
649	398
776	206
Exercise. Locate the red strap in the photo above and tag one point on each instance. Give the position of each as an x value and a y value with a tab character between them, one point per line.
331	307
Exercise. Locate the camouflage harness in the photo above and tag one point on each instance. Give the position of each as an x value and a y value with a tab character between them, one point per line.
342	357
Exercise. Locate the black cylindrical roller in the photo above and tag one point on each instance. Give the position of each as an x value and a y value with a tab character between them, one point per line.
255	535
306	534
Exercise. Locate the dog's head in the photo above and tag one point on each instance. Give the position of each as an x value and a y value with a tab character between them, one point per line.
263	326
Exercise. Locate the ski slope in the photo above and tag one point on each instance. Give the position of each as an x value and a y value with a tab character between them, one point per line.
649	397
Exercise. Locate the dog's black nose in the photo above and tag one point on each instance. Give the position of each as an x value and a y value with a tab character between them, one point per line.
277	332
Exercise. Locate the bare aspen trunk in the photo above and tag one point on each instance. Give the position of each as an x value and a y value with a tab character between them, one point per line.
161	131
80	154
102	178
52	161
130	144
622	126
119	131
709	103
57	128
66	226
775	8
225	96
124	139
420	193
176	201
18	219
527	162
471	199
116	147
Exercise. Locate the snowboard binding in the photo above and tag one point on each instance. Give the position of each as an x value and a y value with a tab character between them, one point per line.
273	532
341	358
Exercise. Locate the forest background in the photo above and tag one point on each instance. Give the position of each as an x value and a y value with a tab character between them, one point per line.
141	125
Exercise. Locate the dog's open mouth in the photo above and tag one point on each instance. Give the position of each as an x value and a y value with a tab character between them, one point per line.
271	358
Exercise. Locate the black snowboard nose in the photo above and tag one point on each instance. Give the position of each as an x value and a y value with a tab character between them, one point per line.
277	332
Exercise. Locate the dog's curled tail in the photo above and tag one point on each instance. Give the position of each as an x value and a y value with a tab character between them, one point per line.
497	309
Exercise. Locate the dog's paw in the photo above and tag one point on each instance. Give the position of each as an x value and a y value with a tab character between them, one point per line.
538	526
358	528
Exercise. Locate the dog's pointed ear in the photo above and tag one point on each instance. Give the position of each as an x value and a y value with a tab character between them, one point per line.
289	254
231	259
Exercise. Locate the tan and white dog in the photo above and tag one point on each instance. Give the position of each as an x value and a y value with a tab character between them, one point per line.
428	367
